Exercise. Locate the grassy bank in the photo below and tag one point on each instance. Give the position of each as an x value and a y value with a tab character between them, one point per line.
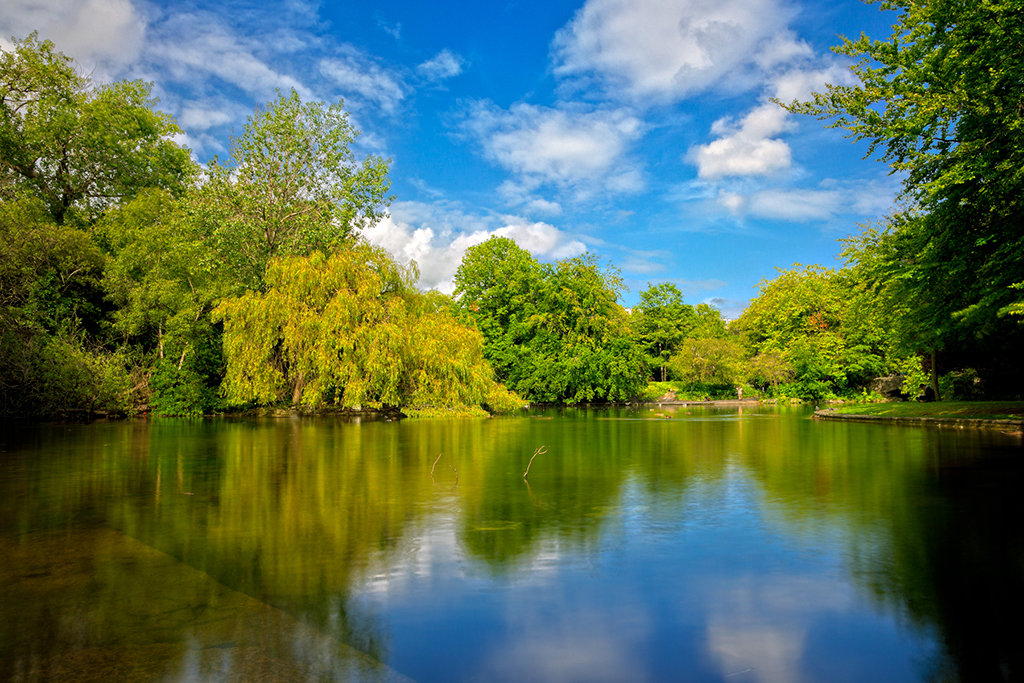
974	410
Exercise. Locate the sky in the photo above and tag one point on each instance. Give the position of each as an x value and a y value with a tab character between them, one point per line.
641	131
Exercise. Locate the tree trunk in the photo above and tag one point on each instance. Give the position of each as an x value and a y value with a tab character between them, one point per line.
935	373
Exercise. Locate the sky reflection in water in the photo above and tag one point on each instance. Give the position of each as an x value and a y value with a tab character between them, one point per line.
706	546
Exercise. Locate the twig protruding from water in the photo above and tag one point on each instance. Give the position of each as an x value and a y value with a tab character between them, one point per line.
434	465
537	452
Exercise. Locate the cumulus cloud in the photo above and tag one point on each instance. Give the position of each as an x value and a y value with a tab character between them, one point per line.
445	64
437	238
747	148
750	148
358	75
666	49
104	35
568	147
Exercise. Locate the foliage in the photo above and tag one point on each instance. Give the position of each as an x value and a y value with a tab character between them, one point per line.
663	322
77	146
497	286
708	361
49	273
554	333
350	330
818	332
692	391
59	376
292	186
941	98
770	367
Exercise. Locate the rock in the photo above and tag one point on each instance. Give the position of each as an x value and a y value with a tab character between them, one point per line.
890	387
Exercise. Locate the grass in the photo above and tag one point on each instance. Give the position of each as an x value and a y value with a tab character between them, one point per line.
973	410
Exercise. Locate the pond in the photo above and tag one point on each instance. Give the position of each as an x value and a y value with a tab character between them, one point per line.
647	544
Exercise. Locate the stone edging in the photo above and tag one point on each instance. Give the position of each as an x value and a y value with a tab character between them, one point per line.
937	421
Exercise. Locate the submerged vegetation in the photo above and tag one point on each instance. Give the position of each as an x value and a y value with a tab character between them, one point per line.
133	279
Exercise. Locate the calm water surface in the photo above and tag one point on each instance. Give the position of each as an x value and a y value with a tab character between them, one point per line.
734	545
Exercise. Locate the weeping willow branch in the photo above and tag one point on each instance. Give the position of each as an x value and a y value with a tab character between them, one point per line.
537	452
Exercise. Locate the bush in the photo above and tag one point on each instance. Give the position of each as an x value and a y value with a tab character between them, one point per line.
58	376
180	392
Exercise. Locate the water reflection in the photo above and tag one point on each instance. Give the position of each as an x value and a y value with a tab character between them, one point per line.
646	545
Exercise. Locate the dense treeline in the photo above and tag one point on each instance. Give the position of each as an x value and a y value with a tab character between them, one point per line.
132	278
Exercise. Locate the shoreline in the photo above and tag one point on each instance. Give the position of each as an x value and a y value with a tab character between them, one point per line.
923	420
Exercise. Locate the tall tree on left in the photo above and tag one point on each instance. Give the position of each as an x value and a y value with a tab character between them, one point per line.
78	146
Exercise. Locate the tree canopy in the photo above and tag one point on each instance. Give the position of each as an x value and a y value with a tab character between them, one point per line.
76	145
554	332
941	98
293	186
349	329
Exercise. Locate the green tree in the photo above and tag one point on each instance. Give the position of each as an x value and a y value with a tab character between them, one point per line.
49	290
554	332
708	361
942	99
78	146
823	324
497	286
350	330
663	321
163	295
293	186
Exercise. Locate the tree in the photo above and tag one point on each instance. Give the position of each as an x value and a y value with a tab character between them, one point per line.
78	146
708	361
663	322
497	286
293	186
942	98
154	275
823	324
349	329
553	332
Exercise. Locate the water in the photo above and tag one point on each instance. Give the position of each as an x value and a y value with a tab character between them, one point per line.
646	545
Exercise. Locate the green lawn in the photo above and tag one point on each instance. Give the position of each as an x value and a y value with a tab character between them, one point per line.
989	410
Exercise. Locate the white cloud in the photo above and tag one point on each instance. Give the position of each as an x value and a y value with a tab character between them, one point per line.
104	35
201	117
799	84
191	47
795	205
750	148
568	147
746	149
436	238
826	202
730	308
358	75
445	64
666	49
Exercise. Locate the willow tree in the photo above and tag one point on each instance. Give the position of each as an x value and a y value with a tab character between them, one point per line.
350	330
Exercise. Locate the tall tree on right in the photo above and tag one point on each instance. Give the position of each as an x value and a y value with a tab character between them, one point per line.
942	99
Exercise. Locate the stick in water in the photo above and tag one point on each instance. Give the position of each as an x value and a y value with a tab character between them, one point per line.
434	465
537	452
456	474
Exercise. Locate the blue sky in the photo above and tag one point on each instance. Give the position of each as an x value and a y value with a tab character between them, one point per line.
638	130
